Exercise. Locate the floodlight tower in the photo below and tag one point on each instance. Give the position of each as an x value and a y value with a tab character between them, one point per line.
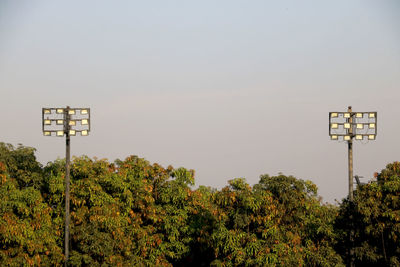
345	126
66	121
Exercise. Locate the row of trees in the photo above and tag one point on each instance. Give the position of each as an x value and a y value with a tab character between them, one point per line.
133	213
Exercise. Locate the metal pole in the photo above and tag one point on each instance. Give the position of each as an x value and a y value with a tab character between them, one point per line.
67	171
358	180
350	154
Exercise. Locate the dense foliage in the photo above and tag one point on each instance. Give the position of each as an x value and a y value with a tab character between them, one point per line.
371	224
134	213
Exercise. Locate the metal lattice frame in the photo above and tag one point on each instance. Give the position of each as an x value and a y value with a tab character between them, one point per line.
60	121
348	125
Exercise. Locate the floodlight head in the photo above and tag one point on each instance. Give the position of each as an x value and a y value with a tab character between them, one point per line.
359	137
346	115
347	125
371	137
334	126
334	114
360	126
347	137
359	115
334	137
371	115
65	121
371	125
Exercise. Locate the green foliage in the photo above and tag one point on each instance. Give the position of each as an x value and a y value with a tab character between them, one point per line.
27	233
21	165
278	222
134	213
374	221
127	213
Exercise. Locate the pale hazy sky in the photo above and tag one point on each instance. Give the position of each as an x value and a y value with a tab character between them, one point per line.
228	88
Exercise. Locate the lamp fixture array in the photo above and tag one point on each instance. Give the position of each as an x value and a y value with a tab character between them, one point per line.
61	121
348	125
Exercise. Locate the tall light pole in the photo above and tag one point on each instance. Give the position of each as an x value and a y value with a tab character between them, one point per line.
59	122
346	126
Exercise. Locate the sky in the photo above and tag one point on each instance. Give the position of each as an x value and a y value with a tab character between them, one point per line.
228	88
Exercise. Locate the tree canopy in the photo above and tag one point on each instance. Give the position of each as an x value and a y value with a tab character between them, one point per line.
135	213
371	224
